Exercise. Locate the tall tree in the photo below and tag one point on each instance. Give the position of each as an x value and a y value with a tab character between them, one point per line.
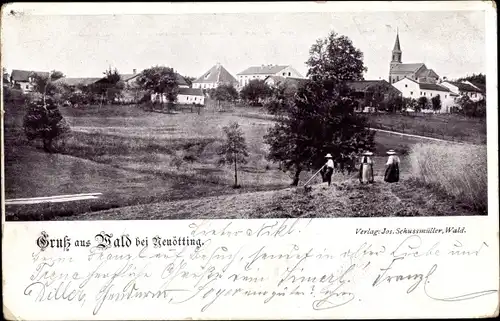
436	103
319	120
255	91
224	93
335	58
234	150
56	74
160	80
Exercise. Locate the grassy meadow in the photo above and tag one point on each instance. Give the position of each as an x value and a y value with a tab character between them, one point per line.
135	158
443	126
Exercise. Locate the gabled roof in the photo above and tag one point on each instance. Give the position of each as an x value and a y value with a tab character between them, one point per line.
364	85
126	77
76	81
23	75
263	70
481	87
216	74
464	87
406	67
429	86
429	73
191	91
287	80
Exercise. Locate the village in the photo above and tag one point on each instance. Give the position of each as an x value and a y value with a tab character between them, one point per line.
414	82
154	137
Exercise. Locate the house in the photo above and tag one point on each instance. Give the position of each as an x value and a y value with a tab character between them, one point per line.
213	78
474	92
186	95
365	89
411	88
263	71
416	71
289	82
25	80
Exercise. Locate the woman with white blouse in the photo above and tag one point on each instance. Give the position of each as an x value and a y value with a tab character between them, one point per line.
366	168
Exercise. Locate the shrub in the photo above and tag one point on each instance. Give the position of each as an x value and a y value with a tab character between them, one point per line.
458	170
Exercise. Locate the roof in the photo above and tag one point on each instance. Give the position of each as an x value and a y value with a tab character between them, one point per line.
364	85
126	77
263	70
76	81
191	91
481	87
429	86
397	47
216	74
464	87
406	67
23	75
287	80
429	73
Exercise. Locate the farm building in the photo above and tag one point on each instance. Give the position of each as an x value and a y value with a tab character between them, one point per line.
217	75
412	89
474	92
24	79
365	90
264	71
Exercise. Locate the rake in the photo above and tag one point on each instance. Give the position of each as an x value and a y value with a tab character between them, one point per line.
310	179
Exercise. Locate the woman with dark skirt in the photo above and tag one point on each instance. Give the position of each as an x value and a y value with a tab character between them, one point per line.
392	170
366	168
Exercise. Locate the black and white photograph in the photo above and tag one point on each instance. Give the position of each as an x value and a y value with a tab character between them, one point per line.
245	115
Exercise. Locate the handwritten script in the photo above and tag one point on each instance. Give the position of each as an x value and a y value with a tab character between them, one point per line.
210	266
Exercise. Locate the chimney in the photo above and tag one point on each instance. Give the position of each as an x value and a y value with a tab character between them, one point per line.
134	71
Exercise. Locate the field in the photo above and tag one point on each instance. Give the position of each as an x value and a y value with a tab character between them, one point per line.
144	160
443	126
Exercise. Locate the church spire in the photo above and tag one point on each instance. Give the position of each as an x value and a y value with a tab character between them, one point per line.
396	52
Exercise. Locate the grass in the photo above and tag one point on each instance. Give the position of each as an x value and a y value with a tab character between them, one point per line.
460	171
444	126
346	198
135	158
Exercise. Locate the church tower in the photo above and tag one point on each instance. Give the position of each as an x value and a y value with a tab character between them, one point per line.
396	58
396	52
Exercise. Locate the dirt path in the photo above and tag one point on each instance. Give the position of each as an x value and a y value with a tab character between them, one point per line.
52	199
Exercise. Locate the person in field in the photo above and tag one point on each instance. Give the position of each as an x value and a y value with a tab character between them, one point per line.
327	170
392	167
366	168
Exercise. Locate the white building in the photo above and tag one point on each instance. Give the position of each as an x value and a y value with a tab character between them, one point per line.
264	71
25	80
464	88
185	96
217	75
410	88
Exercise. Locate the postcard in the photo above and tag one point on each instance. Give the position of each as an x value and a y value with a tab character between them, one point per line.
277	160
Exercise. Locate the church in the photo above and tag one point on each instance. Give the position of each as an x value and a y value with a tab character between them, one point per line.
415	71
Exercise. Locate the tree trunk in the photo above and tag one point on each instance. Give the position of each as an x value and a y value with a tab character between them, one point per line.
297	174
235	174
47	145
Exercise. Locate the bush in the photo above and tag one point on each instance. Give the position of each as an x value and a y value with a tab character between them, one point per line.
458	170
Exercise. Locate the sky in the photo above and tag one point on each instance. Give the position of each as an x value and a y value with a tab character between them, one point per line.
451	43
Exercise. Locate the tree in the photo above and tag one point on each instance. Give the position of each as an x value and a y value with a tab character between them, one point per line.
55	74
422	103
110	87
224	93
374	97
280	98
161	81
436	103
335	58
234	150
471	108
477	79
395	104
255	91
319	120
43	120
189	80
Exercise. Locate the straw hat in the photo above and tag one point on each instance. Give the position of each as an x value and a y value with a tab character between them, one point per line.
328	155
391	152
367	153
